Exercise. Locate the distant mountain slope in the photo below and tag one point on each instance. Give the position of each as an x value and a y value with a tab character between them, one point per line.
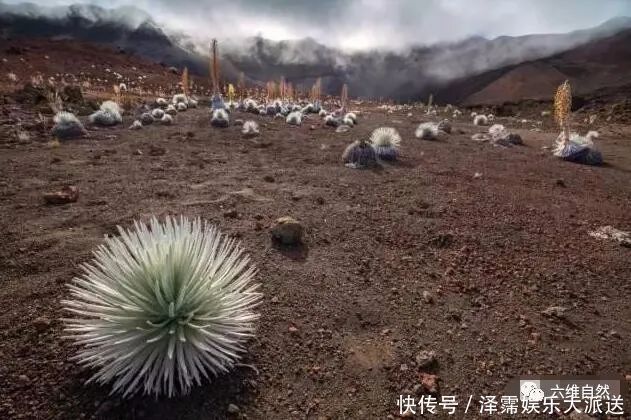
535	80
597	65
472	70
94	24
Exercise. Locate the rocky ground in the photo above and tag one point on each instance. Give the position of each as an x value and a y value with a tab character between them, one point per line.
458	250
77	62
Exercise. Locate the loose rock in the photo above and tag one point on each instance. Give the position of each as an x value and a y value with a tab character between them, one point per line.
41	324
68	194
555	311
287	231
429	383
427	297
425	358
232	213
613	234
157	151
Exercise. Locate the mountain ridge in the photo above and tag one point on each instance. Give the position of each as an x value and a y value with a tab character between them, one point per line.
406	75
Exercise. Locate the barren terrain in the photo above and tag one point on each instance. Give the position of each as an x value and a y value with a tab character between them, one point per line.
345	316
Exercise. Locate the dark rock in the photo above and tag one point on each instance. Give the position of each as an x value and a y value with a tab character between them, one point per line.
287	231
41	324
68	194
232	214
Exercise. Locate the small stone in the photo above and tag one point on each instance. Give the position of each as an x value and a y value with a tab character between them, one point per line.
232	214
288	231
477	175
292	329
427	297
274	299
555	311
614	333
268	178
68	194
425	358
233	409
453	314
138	152
41	324
23	378
429	383
560	183
443	240
157	151
403	367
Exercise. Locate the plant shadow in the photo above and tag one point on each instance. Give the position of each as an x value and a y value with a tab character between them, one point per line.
208	401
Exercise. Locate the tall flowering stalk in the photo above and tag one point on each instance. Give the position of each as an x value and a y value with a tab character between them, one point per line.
562	109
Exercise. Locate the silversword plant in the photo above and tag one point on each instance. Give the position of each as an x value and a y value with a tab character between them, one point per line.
386	142
162	306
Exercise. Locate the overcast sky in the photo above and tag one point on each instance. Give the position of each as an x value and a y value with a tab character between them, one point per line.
361	24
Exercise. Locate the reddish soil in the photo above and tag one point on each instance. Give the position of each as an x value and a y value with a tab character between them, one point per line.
493	251
75	62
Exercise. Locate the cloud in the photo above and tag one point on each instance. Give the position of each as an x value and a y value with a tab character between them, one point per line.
365	24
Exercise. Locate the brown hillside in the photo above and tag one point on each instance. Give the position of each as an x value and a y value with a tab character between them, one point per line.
598	65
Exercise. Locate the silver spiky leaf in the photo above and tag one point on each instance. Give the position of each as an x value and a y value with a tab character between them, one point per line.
220	118
67	126
108	114
162	306
359	154
427	131
157	113
250	129
294	118
386	142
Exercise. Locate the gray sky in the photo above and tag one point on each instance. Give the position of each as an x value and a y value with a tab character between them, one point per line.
362	24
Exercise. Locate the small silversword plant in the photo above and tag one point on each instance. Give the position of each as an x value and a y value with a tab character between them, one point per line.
162	306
